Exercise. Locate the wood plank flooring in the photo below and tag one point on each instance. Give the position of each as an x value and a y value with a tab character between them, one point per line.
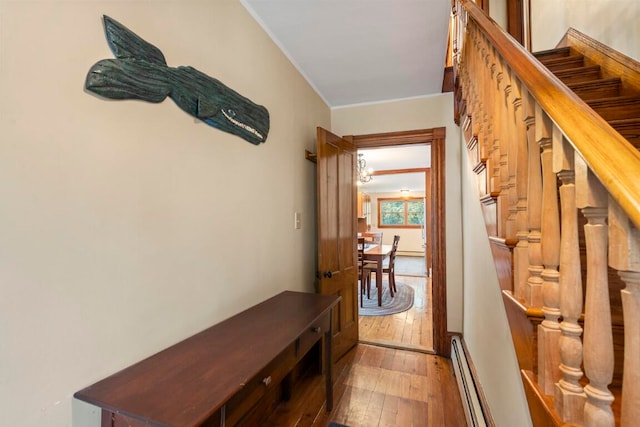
393	383
411	329
378	386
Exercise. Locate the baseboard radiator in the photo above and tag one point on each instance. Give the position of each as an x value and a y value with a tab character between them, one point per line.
467	385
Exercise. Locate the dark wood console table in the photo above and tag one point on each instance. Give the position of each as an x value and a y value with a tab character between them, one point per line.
216	376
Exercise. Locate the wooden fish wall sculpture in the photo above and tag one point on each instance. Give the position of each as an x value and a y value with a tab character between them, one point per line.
140	71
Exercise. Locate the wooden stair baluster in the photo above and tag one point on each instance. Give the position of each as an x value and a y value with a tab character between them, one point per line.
534	197
503	141
512	153
598	356
569	394
549	331
492	128
624	256
521	251
630	413
483	137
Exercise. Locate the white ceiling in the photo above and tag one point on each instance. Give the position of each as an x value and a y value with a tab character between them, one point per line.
361	51
365	51
409	157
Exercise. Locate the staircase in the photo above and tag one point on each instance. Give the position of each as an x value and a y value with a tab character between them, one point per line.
553	139
615	100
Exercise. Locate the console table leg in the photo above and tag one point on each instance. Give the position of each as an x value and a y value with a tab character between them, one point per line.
328	360
106	419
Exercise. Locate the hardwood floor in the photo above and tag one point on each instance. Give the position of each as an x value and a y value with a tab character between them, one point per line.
383	384
410	265
411	329
378	386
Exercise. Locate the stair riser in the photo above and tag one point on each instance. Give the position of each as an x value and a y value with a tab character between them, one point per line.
567	64
630	134
580	77
618	112
552	54
598	92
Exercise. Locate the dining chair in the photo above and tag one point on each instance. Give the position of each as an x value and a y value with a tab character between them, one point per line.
374	237
390	270
361	271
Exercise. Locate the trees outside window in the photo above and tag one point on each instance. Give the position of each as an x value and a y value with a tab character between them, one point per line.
400	212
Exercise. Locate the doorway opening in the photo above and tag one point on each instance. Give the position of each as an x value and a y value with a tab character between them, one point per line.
433	284
392	197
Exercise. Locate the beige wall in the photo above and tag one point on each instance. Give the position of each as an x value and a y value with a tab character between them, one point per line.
612	22
420	113
126	226
498	12
486	329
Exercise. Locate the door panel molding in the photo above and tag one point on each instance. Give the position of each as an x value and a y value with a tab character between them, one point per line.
337	266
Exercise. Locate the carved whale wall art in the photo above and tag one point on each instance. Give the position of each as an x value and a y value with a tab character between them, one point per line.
140	71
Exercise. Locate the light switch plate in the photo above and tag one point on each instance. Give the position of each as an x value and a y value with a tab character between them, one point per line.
297	220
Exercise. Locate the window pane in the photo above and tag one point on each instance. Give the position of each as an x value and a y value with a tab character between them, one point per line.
392	212
415	212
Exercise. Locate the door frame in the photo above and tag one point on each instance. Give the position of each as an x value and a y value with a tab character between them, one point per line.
436	138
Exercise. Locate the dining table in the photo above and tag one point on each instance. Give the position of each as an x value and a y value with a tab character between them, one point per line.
377	253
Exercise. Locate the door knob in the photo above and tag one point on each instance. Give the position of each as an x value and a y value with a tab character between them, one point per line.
328	275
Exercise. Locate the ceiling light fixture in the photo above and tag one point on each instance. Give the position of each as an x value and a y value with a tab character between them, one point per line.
364	175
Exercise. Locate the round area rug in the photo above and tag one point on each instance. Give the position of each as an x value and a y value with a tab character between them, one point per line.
401	301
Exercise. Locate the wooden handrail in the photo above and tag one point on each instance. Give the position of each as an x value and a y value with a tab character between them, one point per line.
609	156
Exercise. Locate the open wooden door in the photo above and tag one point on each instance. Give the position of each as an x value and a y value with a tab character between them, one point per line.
337	256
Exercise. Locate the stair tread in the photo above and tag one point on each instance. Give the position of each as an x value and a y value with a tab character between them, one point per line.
549	401
625	122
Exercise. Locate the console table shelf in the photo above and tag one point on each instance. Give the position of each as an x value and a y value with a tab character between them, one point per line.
216	376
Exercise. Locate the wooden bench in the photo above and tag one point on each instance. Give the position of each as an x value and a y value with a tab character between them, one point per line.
217	376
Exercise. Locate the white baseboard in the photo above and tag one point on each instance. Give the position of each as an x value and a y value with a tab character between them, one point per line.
468	386
410	253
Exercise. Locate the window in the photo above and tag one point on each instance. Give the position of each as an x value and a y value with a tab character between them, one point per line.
400	213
